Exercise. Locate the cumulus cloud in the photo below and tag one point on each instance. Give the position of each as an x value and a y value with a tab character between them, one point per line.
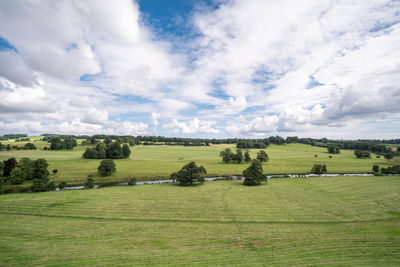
194	126
279	66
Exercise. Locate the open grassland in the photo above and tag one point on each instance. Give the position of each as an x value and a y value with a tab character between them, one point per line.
346	221
154	162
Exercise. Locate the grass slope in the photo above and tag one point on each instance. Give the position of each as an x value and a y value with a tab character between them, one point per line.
153	162
347	221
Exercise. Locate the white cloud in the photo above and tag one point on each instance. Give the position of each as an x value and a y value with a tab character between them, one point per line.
154	118
194	126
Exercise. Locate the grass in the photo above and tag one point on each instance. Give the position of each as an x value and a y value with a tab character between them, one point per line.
347	221
154	162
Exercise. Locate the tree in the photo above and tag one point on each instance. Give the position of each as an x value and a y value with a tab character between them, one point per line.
253	175
239	156
89	184
106	167
375	168
29	146
107	140
362	154
226	155
319	169
56	143
90	153
115	151
126	151
9	165
389	155
40	169
333	149
27	167
247	157
17	176
262	156
62	185
101	151
189	174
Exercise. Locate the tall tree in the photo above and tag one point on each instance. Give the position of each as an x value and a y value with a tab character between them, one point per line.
253	175
189	174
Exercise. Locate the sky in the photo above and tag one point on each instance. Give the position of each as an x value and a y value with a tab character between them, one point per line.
207	68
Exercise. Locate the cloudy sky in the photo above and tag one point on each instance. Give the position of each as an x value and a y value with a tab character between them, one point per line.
210	68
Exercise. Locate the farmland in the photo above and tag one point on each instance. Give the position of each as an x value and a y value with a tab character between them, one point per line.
155	161
305	221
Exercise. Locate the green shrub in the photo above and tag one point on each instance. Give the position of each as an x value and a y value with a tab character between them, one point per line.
89	184
253	175
62	185
132	181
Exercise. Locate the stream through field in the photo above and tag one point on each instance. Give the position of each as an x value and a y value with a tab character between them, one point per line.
222	178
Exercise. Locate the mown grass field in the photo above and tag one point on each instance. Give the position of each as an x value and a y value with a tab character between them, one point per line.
345	221
154	162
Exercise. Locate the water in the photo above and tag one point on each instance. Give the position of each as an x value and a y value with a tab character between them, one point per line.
209	179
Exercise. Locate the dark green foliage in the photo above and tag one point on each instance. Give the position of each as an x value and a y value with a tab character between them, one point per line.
362	154
106	167
319	169
1	184
113	151
252	144
62	185
253	175
27	167
247	157
330	156
40	169
239	156
391	170
389	155
333	149
375	168
9	165
89	184
132	181
17	176
41	181
315	156
262	156
29	146
398	149
227	155
55	171
189	174
8	147
126	151
107	140
56	143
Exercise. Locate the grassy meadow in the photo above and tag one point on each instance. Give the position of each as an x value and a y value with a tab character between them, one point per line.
346	221
154	162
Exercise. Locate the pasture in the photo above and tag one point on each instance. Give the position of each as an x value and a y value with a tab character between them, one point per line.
156	161
347	221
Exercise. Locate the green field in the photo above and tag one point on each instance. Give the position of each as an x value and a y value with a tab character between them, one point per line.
153	162
346	221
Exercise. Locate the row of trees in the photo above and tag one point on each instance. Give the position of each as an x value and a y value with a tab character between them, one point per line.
27	146
17	172
56	143
111	151
228	156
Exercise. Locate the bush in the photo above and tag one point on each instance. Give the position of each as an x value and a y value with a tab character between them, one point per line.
189	174
253	175
330	156
106	167
62	185
89	184
315	156
319	169
362	154
132	181
375	168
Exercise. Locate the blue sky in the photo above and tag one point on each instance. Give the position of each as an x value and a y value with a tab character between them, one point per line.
210	68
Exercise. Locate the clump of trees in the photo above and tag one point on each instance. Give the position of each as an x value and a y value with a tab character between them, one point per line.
389	155
228	156
189	174
107	167
56	143
319	169
253	175
111	151
362	154
333	149
391	170
27	146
